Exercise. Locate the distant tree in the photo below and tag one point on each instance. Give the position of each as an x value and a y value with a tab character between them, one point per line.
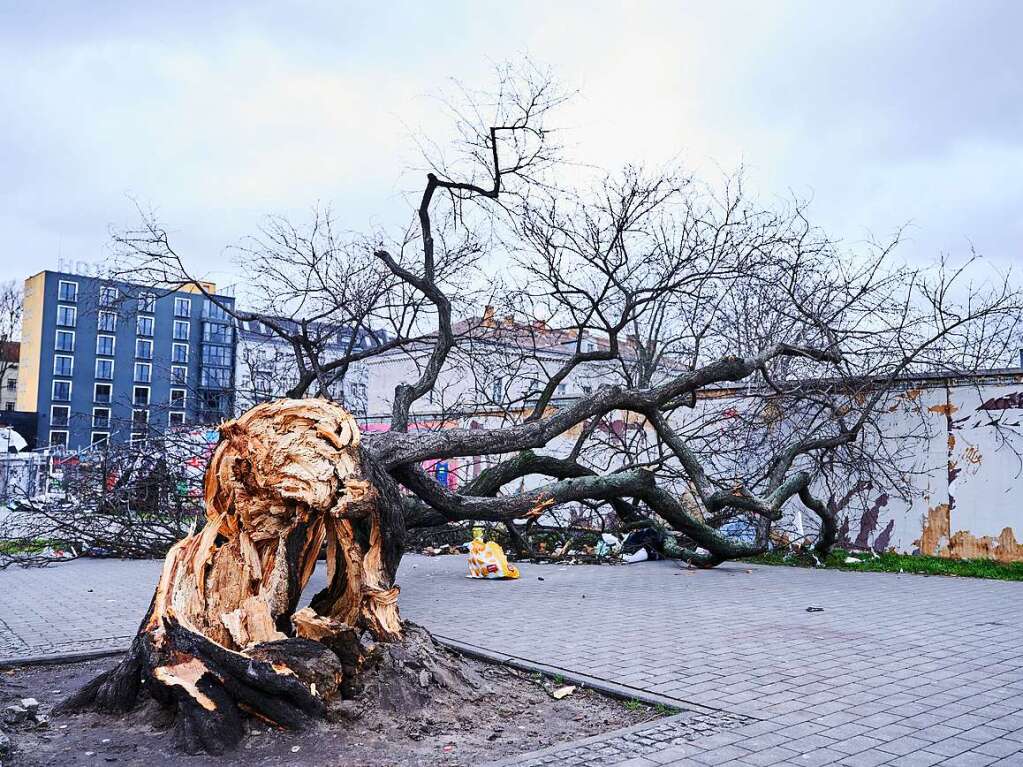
10	327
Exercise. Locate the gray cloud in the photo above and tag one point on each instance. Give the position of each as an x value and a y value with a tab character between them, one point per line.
219	113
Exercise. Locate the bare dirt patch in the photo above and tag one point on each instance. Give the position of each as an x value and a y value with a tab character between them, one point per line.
518	715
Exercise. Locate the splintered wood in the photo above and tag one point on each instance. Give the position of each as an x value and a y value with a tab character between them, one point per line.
222	636
285	478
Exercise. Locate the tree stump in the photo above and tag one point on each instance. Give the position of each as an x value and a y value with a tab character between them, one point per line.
222	638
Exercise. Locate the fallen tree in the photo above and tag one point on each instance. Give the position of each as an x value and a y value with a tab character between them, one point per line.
662	296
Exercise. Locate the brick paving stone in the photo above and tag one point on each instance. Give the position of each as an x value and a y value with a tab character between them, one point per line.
869	758
917	759
888	654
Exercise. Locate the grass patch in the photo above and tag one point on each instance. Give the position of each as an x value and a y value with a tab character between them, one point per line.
900	563
660	709
34	546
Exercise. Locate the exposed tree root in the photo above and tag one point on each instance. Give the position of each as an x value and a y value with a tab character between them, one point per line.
222	638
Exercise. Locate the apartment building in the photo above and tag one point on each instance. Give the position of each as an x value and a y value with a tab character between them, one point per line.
107	360
10	352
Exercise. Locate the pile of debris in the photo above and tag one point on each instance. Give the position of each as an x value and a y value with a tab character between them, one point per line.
23	715
577	545
446	548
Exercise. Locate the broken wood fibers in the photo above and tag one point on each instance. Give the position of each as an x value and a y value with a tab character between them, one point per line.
285	478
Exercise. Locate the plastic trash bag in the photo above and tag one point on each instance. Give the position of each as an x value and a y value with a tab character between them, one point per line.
647	540
487	560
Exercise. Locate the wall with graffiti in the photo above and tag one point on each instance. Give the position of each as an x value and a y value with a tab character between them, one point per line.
966	475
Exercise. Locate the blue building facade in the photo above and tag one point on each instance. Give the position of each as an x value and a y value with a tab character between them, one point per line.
103	360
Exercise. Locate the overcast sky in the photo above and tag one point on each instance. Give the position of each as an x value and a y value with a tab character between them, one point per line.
217	114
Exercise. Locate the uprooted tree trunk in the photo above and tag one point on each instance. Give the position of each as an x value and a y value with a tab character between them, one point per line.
222	637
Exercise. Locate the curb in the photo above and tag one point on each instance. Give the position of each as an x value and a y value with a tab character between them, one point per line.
70	657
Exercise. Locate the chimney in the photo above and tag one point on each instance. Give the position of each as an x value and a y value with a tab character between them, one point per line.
488	316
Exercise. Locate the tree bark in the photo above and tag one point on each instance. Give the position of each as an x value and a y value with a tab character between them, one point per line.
222	637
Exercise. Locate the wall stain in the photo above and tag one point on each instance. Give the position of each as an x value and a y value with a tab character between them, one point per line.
973	455
938	540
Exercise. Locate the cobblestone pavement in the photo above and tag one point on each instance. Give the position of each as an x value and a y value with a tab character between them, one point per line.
896	669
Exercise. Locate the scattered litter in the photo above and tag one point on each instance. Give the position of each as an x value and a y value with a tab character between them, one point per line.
643	544
539	577
487	560
295	749
563	692
815	609
853	561
450	548
608	544
637	556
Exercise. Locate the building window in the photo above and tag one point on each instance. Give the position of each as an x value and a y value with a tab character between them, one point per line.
61	391
143	372
12	384
105	370
262	382
101	418
215	333
182	307
147	302
497	389
179	374
214	404
139	417
177	398
107	295
9	406
105	346
181	328
100	437
58	439
140	396
212	311
67	291
66	316
60	415
143	349
65	341
176	419
216	378
144	326
107	322
562	389
137	437
179	353
63	366
102	393
217	356
587	389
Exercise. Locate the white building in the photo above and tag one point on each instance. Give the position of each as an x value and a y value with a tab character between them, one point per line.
9	355
265	367
498	368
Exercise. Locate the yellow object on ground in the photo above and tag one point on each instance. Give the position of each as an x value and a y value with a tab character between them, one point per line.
487	560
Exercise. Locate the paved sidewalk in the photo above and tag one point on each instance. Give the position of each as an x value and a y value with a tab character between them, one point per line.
897	669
